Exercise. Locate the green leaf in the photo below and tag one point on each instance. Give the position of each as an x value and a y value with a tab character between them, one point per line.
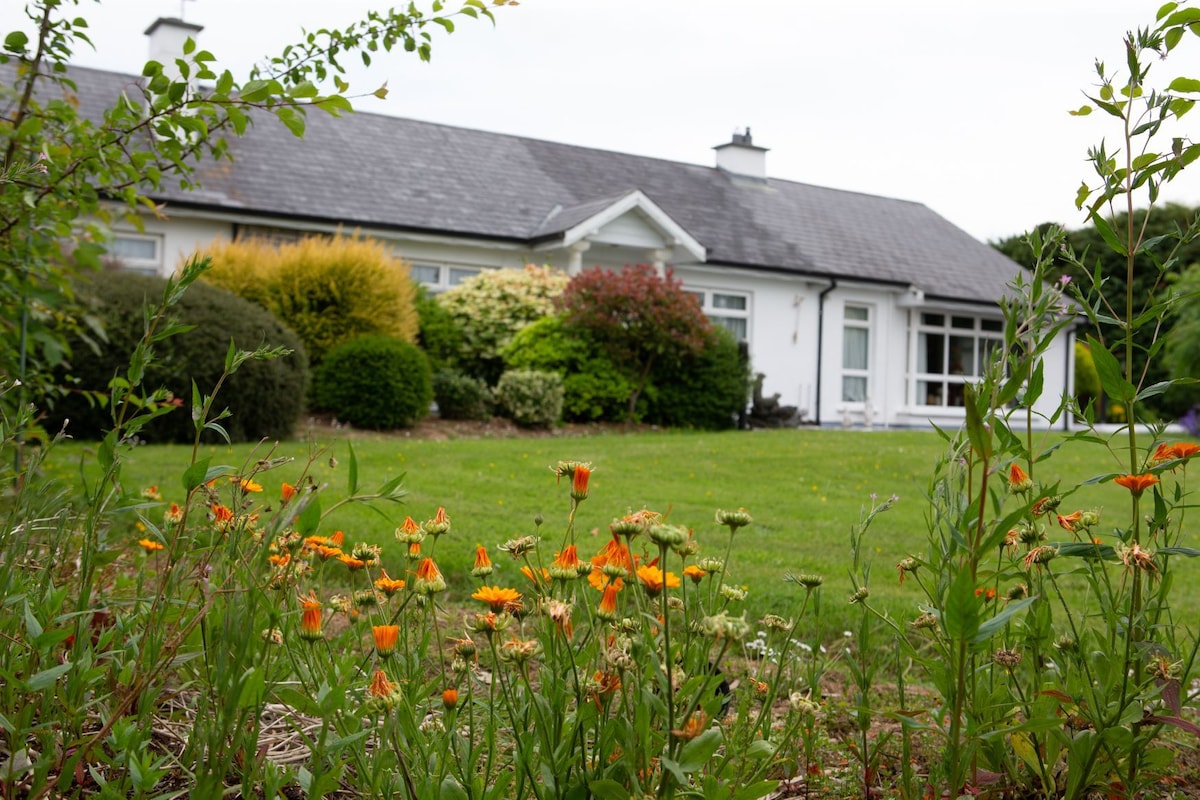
759	748
1106	232
293	120
1033	390
1184	85
16	42
1109	369
253	689
352	478
1082	111
305	89
992	626
961	615
981	438
46	678
1190	552
32	626
756	790
310	518
607	789
193	476
696	753
451	789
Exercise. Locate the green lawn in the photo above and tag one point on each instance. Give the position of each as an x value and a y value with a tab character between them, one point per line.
804	487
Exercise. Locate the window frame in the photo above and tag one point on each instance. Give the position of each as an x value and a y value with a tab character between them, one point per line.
946	384
148	266
445	273
715	313
866	324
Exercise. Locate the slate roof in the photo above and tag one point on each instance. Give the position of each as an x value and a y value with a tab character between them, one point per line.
403	174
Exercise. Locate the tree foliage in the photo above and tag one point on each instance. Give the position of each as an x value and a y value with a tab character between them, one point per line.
1167	250
644	321
69	164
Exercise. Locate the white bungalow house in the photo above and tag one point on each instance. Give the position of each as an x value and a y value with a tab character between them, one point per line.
857	309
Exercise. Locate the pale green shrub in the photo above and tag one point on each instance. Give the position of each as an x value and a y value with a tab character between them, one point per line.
491	307
531	398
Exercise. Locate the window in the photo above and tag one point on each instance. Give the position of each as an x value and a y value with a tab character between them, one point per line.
952	350
137	252
729	310
856	354
438	277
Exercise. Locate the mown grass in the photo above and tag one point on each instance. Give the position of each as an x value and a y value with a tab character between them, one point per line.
804	487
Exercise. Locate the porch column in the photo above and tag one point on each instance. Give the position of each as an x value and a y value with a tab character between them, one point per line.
659	259
575	261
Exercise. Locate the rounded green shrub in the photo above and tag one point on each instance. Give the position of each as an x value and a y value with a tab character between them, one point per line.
708	390
460	396
593	388
376	382
531	398
264	398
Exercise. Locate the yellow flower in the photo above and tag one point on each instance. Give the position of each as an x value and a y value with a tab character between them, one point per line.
387	584
150	545
498	598
654	579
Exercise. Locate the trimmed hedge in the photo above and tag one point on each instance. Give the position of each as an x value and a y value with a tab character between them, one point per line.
460	396
709	390
376	382
265	398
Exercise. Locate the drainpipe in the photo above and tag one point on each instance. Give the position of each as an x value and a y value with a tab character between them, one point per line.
820	339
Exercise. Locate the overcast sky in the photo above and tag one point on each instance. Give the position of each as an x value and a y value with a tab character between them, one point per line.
958	105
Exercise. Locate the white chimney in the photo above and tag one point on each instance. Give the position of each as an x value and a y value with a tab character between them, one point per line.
167	37
742	157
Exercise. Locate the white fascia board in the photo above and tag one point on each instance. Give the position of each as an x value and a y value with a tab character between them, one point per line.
382	234
673	233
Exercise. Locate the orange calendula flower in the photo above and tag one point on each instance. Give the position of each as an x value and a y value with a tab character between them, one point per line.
409	532
483	565
1070	522
988	593
152	493
287	492
221	515
414	550
655	580
694	572
280	559
438	525
611	565
449	698
1136	484
326	552
696	724
497	597
386	637
150	545
608	602
380	685
354	564
541	579
567	566
429	578
337	538
387	584
1186	449
173	515
1018	479
248	485
310	617
579	482
603	686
